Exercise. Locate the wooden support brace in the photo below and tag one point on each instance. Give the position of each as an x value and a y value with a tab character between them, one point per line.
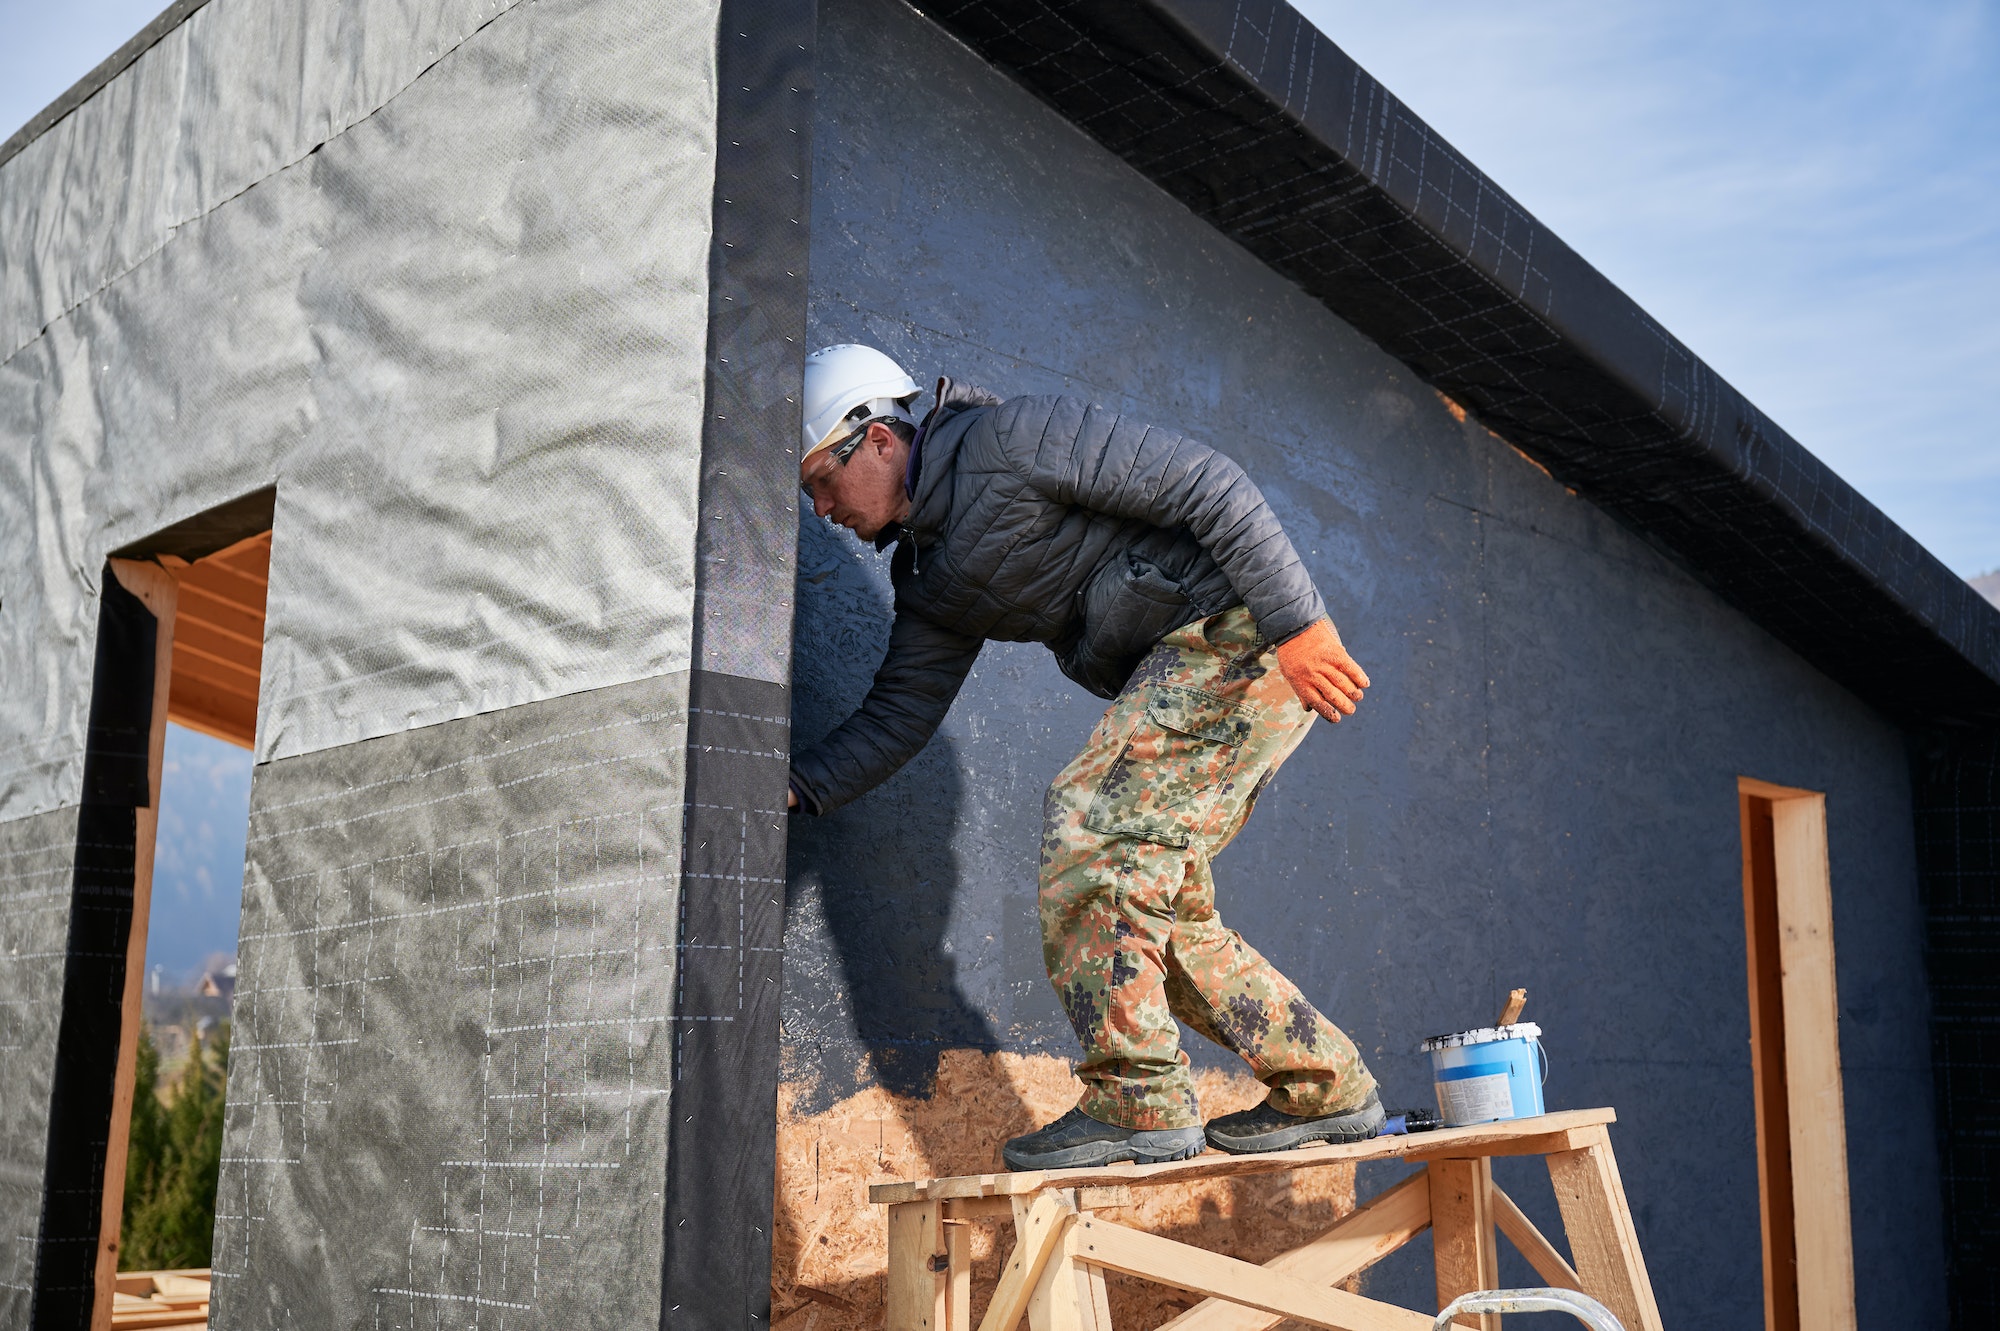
1462	1234
1601	1234
1038	1233
1360	1240
1062	1296
958	1279
1199	1271
1532	1244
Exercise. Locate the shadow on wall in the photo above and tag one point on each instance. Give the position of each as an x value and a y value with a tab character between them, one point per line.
884	869
886	874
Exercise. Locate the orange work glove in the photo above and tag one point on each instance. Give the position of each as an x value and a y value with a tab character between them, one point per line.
1321	672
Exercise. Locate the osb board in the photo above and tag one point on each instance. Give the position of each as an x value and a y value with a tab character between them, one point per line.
831	1244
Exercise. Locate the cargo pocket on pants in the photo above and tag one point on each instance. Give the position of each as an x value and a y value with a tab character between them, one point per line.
1175	766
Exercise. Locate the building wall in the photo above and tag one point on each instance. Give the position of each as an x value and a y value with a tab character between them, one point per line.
37	866
441	272
1540	789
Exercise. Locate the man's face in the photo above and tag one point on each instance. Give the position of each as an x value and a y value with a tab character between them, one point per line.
865	493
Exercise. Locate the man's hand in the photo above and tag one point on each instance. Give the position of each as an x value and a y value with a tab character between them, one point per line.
791	799
1321	672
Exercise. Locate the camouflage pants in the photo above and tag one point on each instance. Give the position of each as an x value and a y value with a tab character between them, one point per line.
1129	929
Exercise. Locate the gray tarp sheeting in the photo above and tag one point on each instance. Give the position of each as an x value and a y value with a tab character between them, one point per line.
37	858
438	271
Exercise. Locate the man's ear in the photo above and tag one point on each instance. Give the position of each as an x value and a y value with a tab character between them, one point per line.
881	438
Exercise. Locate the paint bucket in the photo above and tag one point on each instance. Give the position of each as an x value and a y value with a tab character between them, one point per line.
1489	1074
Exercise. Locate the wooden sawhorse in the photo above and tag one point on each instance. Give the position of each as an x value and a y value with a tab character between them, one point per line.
1063	1247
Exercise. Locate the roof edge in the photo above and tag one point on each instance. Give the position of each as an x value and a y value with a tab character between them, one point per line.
1264	128
95	81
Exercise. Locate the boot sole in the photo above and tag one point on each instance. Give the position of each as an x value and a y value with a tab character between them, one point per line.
1092	1154
1334	1131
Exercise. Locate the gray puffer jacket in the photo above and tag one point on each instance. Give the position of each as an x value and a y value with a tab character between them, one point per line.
1049	519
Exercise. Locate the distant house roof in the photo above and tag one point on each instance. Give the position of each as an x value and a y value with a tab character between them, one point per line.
1262	126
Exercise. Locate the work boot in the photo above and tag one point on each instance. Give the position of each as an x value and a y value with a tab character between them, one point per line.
1076	1139
1265	1129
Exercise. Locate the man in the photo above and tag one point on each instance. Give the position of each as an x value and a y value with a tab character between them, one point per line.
1157	574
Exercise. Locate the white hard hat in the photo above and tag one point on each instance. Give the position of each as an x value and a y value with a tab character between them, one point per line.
846	387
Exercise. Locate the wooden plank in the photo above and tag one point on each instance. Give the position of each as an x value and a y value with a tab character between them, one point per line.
958	1280
1773	1118
155	587
1521	1136
1098	1301
1601	1235
215	715
1360	1240
916	1284
222	663
1820	1203
1058	1301
971	1209
1532	1244
1462	1234
1199	1271
1038	1232
126	1316
238	619
1748	785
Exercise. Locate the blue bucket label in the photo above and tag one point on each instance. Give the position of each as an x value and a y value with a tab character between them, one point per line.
1475	1093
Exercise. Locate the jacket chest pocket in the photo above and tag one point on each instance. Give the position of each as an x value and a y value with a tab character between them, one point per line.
1178	762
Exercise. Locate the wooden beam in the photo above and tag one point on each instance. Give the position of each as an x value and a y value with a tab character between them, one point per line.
1532	1244
1602	1237
1521	1136
1360	1240
958	1280
1462	1234
1097	1299
1061	1298
1748	785
916	1283
235	725
154	587
1199	1271
1820	1203
1765	971
1037	1234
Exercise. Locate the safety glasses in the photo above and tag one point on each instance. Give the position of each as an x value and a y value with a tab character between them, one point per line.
841	452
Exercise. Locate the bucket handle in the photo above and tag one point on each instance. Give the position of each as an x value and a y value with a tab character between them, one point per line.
1544	1055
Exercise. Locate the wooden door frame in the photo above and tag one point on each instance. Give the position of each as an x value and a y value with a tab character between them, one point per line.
1801	1123
157	591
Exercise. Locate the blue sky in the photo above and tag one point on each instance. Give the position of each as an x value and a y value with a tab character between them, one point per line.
198	861
1808	194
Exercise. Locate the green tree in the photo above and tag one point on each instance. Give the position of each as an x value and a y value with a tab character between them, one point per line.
174	1157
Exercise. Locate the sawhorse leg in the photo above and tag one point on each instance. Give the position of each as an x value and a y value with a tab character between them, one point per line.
1462	1236
919	1267
1069	1296
1601	1236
